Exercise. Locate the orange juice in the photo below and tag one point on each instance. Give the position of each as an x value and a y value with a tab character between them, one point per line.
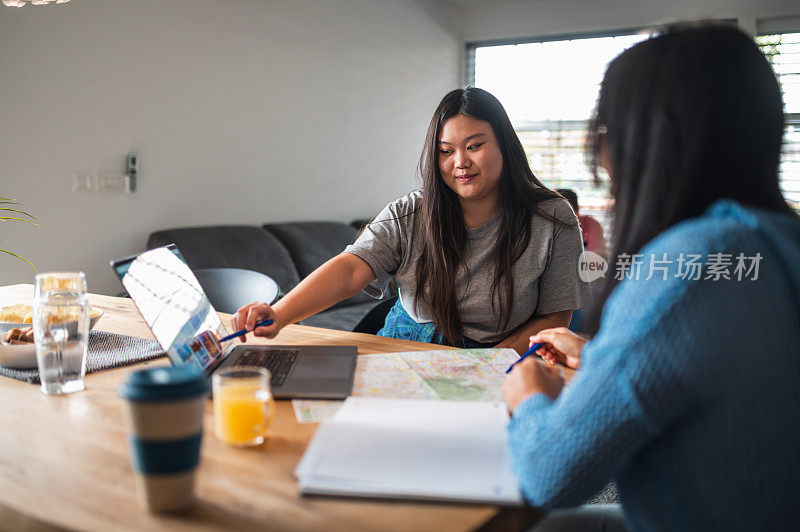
243	412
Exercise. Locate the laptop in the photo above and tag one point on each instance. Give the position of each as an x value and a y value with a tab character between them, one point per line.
174	306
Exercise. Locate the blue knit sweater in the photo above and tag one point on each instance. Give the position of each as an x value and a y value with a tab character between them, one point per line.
689	395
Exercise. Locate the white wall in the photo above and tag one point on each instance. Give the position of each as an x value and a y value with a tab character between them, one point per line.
506	20
242	112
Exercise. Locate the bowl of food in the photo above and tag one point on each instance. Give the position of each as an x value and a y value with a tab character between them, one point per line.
21	316
17	349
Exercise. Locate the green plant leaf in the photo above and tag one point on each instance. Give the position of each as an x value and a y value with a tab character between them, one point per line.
27	218
6	218
20	212
20	258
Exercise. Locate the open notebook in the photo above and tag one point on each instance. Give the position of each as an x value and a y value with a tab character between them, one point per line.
412	449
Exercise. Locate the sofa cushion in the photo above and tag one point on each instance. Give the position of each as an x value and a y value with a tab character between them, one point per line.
311	244
231	246
341	318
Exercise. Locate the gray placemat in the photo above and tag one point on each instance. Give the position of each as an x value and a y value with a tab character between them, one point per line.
106	351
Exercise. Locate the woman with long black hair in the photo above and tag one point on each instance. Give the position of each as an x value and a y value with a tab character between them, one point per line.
687	395
484	254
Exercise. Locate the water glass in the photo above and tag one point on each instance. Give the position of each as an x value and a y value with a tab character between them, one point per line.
243	405
61	330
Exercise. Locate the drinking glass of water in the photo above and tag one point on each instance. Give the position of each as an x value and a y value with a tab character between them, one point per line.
61	330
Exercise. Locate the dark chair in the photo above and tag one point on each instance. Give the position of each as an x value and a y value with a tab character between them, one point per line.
375	318
576	323
229	289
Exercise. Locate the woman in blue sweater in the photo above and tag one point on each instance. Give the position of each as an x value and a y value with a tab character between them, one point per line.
687	394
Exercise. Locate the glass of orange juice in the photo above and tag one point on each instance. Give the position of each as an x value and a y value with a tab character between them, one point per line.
243	405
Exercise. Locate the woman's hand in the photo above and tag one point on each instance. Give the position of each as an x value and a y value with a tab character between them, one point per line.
531	376
247	316
560	345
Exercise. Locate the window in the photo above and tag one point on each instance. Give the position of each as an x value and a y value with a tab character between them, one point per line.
550	89
783	52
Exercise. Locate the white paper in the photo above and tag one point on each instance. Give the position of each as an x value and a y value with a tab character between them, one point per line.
315	410
412	449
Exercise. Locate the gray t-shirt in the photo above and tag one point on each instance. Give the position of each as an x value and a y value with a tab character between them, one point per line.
545	277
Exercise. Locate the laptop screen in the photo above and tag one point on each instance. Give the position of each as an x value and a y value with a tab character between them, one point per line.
172	302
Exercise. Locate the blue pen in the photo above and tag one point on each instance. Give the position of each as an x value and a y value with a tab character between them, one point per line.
528	353
244	331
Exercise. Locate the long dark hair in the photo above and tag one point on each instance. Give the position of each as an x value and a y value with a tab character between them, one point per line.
687	117
442	221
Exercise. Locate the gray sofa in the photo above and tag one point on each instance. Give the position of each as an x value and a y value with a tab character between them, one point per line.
287	252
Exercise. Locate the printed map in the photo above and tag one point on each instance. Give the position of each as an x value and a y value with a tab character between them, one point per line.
460	375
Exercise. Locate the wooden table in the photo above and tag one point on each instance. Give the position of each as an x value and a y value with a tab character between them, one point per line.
64	460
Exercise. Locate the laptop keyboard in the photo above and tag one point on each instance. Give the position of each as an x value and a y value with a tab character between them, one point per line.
279	362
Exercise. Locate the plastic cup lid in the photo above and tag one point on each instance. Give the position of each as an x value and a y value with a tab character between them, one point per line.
164	383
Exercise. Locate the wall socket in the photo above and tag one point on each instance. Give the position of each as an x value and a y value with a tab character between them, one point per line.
105	183
83	181
90	181
113	183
